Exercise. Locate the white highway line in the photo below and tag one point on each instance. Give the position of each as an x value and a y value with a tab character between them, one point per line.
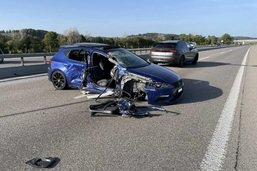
93	96
80	96
217	149
204	58
214	55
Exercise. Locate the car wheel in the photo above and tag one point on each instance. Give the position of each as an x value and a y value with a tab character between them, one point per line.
181	61
194	62
2	60
59	81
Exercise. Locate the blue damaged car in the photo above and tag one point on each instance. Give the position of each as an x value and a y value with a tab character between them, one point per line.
95	67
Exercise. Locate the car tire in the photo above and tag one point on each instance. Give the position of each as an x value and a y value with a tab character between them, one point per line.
59	80
181	61
194	62
1	60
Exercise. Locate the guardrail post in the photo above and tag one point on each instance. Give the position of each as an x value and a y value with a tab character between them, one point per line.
45	60
22	61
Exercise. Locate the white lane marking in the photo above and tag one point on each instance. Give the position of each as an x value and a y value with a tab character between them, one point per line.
214	55
217	148
80	96
94	96
204	58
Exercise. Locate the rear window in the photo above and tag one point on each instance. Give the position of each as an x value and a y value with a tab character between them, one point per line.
166	45
77	54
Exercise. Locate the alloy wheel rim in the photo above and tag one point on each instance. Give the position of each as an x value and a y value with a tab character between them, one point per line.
58	80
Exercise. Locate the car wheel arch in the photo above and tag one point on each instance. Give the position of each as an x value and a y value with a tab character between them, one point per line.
58	70
195	60
182	60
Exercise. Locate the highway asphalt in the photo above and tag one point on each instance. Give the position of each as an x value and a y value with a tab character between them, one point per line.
38	121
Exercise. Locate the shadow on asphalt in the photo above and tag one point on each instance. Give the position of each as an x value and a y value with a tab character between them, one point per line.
129	116
206	64
199	91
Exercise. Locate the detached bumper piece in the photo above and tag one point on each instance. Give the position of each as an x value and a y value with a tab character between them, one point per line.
49	162
123	107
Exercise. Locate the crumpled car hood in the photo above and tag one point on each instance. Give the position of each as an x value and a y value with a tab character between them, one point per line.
156	73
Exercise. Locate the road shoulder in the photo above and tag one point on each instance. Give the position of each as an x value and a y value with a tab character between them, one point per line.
247	144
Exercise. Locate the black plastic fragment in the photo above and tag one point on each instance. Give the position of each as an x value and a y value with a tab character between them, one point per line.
49	162
124	107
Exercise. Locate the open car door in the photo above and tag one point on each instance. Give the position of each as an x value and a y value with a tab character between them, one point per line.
97	76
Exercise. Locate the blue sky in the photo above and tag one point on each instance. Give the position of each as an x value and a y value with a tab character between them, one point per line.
125	17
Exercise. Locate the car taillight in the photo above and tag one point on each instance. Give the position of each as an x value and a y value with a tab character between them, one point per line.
154	50
163	50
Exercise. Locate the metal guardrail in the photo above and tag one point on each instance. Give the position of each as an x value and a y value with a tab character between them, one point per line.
138	51
28	55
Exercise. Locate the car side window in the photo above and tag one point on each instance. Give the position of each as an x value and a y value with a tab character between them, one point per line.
179	46
78	55
185	47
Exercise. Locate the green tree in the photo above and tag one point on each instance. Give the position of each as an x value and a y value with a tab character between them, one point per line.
199	39
226	39
62	40
3	41
50	41
183	37
25	44
36	45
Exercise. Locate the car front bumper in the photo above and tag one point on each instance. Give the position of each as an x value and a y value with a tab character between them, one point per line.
164	96
166	59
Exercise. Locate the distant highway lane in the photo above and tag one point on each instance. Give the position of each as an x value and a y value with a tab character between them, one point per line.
38	121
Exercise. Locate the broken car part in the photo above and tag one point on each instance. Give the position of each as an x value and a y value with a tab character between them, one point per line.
49	162
124	107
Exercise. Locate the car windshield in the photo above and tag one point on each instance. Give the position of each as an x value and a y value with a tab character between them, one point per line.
166	45
127	59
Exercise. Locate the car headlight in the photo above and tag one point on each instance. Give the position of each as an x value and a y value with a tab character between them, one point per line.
157	84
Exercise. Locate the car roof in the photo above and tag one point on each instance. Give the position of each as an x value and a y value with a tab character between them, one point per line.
170	41
86	44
